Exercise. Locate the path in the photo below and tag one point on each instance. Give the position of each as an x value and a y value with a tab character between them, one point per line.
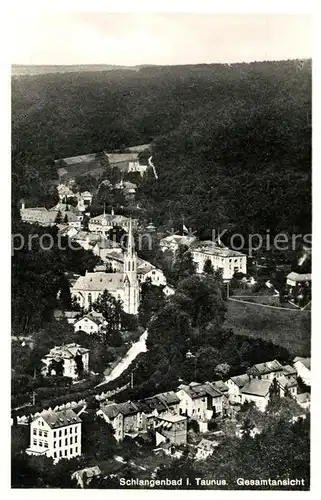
265	305
132	353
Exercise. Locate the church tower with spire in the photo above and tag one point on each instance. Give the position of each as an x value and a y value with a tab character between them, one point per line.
131	284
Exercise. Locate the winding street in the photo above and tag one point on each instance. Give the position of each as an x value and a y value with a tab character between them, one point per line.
132	353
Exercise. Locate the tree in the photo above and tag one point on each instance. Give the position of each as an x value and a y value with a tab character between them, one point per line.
183	265
79	365
111	309
208	267
57	367
200	297
152	301
58	219
66	219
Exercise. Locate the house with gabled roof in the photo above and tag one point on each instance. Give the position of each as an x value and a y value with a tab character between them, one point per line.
200	401
55	434
91	323
287	384
125	418
257	391
268	370
303	369
73	359
235	385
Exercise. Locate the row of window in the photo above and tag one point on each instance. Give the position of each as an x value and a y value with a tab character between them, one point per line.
66	431
71	441
71	452
40	443
40	432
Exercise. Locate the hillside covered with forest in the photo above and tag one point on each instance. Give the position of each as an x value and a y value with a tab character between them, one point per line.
231	143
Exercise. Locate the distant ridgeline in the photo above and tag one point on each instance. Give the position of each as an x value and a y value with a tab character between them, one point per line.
233	141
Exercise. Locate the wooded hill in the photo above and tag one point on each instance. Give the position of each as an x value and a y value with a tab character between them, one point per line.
231	143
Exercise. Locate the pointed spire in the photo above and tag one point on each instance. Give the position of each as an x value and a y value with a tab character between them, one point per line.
130	242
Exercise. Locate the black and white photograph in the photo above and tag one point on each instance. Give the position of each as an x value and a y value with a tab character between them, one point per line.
161	250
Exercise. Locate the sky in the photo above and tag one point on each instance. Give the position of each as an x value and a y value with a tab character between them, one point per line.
152	38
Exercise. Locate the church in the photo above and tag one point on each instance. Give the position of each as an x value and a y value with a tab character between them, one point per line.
122	285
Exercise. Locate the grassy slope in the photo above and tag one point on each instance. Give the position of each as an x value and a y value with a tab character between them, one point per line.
289	328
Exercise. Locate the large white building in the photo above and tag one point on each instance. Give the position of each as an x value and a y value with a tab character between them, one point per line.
222	258
56	434
123	285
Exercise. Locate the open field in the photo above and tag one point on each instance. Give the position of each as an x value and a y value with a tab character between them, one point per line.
288	328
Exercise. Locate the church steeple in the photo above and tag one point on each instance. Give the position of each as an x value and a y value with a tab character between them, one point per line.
130	274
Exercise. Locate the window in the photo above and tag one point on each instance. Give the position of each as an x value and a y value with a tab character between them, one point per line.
71	440
59	443
60	433
76	449
40	444
55	434
35	432
76	439
70	451
34	442
40	432
54	444
45	433
65	453
60	453
66	441
55	455
70	430
66	430
46	444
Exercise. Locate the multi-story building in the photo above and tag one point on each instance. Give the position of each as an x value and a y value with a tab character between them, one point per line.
222	259
171	428
104	222
266	371
200	401
56	434
257	391
73	358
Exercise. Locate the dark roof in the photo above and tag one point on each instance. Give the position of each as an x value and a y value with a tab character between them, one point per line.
168	398
155	403
264	368
111	411
56	419
128	408
289	370
240	380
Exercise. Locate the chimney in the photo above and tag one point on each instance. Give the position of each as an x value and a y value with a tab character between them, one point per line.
23	205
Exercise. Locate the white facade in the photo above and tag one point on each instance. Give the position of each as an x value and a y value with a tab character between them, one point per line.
192	407
88	325
66	354
155	275
135	166
260	401
302	366
61	441
223	259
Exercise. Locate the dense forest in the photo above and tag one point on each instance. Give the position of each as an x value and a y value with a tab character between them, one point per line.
231	143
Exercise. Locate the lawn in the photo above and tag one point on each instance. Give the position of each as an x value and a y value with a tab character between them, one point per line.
288	328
